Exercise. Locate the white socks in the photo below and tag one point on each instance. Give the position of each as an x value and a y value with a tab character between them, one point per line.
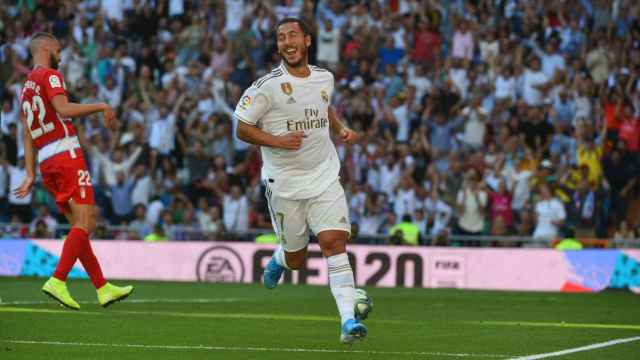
340	280
342	285
279	257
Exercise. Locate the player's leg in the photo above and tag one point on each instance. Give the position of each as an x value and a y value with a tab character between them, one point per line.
289	223
341	282
56	286
84	220
292	260
74	248
280	261
83	224
71	185
329	220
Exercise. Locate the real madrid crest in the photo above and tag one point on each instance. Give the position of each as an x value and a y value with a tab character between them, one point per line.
286	87
324	96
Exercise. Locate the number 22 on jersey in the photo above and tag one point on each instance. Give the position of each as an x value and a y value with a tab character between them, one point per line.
37	105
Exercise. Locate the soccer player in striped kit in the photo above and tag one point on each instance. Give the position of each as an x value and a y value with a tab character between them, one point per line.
50	137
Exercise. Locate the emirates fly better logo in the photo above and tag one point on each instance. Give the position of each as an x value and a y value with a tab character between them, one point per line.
220	264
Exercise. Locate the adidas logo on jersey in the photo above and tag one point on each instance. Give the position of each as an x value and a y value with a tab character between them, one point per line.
343	220
291	101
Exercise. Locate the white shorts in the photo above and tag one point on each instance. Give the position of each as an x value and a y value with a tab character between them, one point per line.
292	219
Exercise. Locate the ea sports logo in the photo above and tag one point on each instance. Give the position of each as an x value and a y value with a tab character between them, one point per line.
220	264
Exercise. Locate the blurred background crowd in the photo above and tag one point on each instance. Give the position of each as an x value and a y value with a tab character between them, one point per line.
477	117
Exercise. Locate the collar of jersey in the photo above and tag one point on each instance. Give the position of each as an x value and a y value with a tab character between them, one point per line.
296	78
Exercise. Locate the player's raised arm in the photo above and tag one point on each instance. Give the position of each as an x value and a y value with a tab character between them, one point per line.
337	127
30	162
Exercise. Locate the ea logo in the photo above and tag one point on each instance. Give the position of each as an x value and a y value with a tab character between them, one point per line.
220	264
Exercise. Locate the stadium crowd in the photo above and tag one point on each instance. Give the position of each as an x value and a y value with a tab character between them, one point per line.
477	117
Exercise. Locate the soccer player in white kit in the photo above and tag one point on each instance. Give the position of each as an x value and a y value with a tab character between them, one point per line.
288	114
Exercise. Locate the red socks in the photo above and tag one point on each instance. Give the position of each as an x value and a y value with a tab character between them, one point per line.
71	250
77	246
91	265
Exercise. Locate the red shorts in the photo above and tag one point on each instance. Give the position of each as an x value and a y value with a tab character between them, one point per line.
67	179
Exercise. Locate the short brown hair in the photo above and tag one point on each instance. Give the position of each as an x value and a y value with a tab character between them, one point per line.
300	22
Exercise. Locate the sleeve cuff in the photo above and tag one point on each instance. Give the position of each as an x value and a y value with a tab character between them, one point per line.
240	118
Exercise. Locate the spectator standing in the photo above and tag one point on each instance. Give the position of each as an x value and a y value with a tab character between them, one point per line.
589	153
439	214
405	201
121	199
373	216
426	43
474	126
328	45
235	211
583	209
463	43
389	176
398	117
162	137
471	202
143	185
111	166
501	211
534	84
549	214
139	225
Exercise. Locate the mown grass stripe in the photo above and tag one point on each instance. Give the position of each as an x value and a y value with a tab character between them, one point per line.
252	349
560	324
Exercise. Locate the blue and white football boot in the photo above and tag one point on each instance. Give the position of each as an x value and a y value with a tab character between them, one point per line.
352	331
272	274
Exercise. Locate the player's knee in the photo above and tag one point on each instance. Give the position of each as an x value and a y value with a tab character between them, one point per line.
333	243
296	263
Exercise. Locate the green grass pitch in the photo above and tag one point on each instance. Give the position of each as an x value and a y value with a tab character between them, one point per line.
225	321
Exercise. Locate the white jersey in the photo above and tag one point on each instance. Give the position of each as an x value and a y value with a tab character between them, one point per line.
279	103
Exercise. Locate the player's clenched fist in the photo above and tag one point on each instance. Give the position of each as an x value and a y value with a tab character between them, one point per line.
110	120
348	136
292	140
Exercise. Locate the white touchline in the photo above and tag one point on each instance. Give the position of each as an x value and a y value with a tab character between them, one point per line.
578	349
249	348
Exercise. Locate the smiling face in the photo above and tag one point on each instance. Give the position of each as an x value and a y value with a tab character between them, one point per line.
293	44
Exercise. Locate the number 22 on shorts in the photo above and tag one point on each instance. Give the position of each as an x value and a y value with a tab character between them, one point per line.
84	178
